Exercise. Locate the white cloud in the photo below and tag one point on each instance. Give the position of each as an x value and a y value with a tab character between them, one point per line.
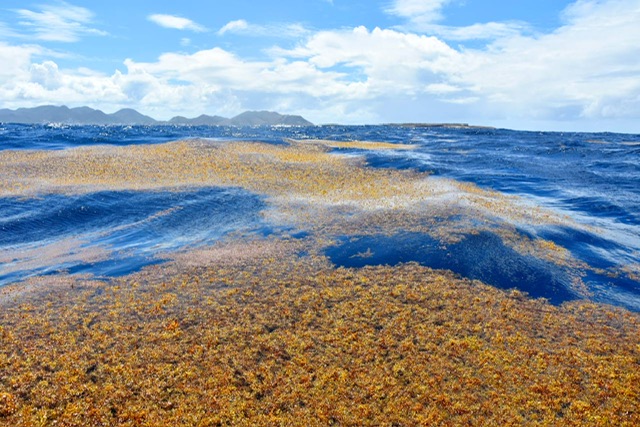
386	60
441	88
61	22
15	62
46	75
175	22
234	26
423	16
216	69
242	27
45	83
484	31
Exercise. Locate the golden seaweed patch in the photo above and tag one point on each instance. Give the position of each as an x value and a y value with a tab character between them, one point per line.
277	339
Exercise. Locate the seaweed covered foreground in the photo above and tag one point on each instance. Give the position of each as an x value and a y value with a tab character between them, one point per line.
263	336
296	283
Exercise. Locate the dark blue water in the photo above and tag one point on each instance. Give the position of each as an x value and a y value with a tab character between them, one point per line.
594	178
481	256
485	257
135	227
59	137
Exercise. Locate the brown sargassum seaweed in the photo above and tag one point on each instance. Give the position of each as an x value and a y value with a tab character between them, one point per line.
277	339
253	332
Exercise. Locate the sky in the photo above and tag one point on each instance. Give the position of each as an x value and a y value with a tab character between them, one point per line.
528	64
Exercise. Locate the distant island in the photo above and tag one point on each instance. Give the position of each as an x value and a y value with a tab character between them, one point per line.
128	116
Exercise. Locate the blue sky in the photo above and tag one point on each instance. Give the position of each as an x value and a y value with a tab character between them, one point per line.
530	64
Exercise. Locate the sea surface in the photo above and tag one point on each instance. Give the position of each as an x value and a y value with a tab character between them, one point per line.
593	178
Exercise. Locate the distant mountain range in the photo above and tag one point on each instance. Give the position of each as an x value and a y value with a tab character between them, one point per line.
128	116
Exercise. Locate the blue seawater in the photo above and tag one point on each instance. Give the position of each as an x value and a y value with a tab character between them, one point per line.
135	227
594	178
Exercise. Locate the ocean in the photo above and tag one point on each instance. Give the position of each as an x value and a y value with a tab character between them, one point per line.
556	215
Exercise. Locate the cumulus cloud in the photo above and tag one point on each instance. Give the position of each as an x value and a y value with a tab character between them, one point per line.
15	61
175	22
217	68
61	22
387	61
46	75
44	83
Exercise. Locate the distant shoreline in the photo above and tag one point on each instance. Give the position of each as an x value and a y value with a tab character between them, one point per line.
47	114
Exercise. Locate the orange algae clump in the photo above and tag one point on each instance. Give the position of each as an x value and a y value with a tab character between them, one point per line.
279	339
8	404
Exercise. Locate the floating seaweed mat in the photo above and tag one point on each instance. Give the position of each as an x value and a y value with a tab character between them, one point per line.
307	186
257	335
